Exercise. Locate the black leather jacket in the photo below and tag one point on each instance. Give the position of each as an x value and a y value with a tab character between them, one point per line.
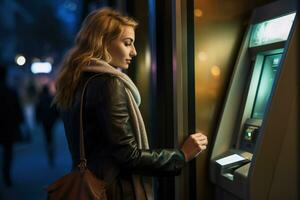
108	133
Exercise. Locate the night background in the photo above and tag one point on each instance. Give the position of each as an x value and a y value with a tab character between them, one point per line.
36	32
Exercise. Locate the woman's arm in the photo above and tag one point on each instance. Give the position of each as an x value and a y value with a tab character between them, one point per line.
121	138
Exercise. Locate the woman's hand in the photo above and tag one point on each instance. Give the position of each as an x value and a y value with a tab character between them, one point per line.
194	145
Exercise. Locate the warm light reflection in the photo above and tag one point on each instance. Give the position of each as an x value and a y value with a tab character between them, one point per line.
198	12
215	71
202	56
147	58
214	47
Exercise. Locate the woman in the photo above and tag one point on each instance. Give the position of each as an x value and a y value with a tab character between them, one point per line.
115	138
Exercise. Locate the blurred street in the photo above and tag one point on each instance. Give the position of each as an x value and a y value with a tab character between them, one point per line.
30	171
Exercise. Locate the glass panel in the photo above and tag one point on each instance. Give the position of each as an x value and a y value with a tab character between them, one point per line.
219	28
217	41
265	86
272	31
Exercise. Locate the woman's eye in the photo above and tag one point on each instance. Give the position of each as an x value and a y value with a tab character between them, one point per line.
127	43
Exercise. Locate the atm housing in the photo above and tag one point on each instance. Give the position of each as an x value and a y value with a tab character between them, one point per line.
245	117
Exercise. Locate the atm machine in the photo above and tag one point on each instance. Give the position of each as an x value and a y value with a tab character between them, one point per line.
255	152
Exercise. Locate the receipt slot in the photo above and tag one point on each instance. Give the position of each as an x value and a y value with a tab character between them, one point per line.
251	152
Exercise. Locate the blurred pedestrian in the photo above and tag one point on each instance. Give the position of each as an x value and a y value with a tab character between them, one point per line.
47	115
10	120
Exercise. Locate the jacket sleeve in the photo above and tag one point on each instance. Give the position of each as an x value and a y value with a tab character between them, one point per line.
124	149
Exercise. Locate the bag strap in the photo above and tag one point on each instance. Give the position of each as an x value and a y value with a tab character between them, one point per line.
111	169
82	165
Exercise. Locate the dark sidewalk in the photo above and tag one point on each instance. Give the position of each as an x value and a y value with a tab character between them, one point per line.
30	171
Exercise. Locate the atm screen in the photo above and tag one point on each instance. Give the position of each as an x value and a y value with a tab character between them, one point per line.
265	85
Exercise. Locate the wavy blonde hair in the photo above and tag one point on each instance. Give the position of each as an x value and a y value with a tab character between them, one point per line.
97	31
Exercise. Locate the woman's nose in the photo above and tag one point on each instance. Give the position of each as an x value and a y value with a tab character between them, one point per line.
133	52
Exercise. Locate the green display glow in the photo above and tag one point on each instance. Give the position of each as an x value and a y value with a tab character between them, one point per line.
271	31
267	77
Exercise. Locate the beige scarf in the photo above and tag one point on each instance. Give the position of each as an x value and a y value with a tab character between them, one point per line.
142	185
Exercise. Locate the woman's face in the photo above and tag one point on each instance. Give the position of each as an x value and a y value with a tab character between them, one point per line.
122	49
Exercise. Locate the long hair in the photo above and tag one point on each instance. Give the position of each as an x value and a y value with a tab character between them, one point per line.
97	31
